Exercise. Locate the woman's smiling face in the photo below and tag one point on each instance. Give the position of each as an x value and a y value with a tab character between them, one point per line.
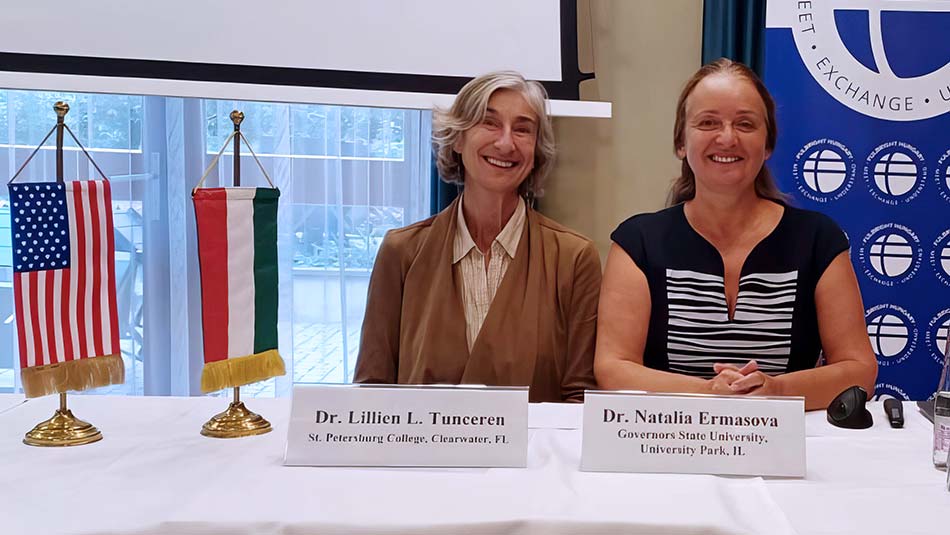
498	153
725	133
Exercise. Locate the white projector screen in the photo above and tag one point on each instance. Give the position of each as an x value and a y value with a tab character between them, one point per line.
400	53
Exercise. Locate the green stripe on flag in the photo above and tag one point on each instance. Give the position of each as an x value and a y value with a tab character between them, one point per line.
265	269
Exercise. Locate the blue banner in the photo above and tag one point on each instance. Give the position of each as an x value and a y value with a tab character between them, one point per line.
863	95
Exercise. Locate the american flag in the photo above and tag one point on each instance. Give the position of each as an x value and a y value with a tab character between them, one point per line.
63	271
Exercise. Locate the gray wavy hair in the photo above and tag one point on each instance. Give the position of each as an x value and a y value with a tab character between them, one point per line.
469	109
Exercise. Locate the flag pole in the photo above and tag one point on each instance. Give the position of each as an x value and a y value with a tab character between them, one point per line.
61	109
63	429
237	117
237	421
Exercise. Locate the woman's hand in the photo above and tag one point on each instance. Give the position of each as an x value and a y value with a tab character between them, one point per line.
721	384
759	384
727	375
752	381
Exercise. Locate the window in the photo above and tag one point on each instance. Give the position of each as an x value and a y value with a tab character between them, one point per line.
110	126
346	175
109	123
315	131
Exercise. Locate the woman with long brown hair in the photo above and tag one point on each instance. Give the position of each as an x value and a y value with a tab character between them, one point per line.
730	290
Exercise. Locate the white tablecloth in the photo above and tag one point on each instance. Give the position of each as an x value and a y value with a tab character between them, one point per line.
877	480
153	473
8	401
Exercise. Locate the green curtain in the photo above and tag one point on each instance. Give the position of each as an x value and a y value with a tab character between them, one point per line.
735	29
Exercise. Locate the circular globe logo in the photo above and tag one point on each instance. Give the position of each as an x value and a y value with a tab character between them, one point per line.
942	176
893	333
881	59
888	335
894	173
938	334
940	338
824	170
891	254
940	257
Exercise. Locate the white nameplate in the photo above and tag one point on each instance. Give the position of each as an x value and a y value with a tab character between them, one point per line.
693	434
374	425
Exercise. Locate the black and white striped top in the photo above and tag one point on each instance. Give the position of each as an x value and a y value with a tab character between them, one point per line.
775	321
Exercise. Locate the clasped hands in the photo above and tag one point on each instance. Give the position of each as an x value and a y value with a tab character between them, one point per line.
748	380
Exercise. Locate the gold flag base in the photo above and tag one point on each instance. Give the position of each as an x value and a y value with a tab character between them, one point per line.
235	422
63	429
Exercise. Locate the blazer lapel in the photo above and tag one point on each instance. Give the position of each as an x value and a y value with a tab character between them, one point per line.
505	351
433	319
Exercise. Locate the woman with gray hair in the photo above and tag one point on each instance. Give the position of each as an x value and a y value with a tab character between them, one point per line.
488	291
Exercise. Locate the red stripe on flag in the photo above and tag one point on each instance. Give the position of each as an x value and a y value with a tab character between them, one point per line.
20	329
211	214
94	264
64	318
49	308
35	319
80	267
110	258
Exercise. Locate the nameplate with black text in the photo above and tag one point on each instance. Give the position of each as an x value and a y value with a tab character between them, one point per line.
693	434
375	425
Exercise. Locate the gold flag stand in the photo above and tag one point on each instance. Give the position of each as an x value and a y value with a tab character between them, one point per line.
237	421
63	429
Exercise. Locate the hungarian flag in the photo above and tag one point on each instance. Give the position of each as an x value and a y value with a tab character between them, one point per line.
64	286
237	251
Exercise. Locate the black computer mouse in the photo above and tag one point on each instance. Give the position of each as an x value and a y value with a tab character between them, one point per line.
848	409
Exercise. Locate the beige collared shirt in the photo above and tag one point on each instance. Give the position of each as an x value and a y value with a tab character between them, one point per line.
479	285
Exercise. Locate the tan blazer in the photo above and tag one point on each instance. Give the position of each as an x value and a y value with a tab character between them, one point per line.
539	331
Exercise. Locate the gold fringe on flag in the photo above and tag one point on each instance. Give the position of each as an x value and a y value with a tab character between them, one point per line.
79	374
240	371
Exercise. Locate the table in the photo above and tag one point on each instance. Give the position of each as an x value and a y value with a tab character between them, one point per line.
9	401
153	473
878	480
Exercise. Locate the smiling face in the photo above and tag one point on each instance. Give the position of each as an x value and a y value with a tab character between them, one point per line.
725	133
498	152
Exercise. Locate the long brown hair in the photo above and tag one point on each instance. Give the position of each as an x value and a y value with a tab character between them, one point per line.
684	186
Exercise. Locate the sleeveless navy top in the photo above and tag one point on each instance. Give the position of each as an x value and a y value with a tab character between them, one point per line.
775	320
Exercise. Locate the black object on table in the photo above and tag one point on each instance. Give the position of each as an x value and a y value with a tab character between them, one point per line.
848	410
